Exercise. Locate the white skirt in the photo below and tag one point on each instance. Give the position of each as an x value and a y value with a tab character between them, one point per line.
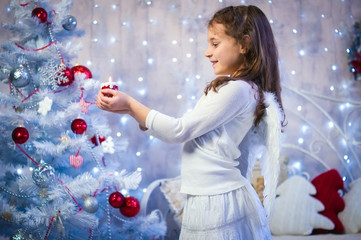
235	215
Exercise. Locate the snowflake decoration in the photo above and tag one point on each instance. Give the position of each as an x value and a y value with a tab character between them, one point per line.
45	106
108	145
50	74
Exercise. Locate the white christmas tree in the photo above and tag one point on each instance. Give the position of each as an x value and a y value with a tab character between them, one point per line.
61	174
296	212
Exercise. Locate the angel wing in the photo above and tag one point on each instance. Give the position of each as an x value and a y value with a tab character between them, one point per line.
270	159
263	143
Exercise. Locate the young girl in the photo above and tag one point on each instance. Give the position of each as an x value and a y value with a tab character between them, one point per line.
221	203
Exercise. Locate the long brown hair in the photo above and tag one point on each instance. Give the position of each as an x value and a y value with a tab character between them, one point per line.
249	26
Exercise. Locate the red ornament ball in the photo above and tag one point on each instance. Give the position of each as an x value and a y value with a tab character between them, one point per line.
116	199
41	14
94	140
130	207
81	69
20	135
79	126
65	77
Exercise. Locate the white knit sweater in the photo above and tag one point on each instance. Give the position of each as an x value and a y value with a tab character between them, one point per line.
211	134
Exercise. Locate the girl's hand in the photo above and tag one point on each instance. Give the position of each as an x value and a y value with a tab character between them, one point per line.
119	102
113	101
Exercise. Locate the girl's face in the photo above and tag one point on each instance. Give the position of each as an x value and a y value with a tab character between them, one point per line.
223	51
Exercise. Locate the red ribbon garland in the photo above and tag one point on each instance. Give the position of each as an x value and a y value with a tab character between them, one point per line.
91	233
35	50
37	164
25	4
68	190
26	98
48	230
31	94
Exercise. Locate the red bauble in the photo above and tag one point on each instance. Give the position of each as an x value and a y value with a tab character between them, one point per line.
40	14
79	126
94	140
130	207
116	199
20	135
81	69
65	77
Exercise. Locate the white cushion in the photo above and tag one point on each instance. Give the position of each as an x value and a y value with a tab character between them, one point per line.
351	215
296	212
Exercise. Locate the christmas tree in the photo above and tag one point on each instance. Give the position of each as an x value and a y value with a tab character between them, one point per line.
61	172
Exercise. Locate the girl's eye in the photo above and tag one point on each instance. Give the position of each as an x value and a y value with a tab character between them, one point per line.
214	44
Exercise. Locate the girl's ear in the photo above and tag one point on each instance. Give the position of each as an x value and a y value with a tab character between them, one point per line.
244	46
242	49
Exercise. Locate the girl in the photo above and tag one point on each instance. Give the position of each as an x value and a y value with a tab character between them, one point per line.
221	203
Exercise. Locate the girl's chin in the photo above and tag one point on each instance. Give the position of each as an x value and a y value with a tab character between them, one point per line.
218	73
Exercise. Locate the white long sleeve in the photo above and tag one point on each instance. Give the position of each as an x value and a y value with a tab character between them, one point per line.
211	132
211	111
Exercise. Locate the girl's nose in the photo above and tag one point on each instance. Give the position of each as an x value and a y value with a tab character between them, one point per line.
207	53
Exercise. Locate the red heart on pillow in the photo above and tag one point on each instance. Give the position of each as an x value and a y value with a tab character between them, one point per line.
328	185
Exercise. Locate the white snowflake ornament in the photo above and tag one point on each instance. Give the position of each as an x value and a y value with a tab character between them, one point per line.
45	106
108	145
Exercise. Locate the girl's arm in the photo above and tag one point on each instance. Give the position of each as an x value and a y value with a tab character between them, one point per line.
216	109
119	102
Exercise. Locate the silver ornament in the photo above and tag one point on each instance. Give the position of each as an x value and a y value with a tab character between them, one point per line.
20	76
91	204
69	23
43	175
18	235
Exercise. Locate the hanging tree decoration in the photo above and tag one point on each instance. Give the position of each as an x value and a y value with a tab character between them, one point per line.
78	69
64	76
116	199
20	135
20	234
45	106
84	105
355	52
76	160
91	204
20	76
19	84
78	126
130	207
43	175
49	74
101	139
41	14
69	23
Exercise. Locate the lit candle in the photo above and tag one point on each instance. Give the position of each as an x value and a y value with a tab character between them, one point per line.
110	84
